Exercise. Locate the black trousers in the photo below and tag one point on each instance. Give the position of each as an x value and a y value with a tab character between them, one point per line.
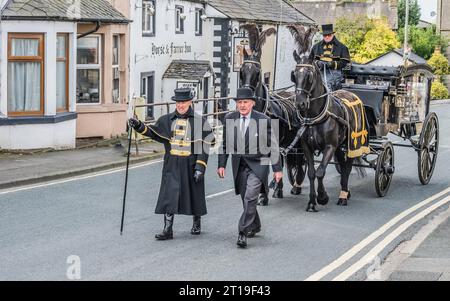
249	188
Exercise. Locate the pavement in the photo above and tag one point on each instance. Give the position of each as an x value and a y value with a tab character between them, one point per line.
31	167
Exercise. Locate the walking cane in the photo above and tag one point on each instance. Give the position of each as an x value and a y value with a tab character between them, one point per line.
126	177
130	131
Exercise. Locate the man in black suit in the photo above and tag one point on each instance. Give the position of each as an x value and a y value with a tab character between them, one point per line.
248	137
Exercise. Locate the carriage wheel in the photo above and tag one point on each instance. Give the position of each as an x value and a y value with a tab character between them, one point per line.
296	163
385	169
429	144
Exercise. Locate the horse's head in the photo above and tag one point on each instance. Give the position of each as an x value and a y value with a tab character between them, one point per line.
250	73
304	77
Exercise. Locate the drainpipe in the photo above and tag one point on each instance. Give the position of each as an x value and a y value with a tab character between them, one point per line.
97	27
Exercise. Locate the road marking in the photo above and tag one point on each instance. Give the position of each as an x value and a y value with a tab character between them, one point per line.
372	237
369	257
97	174
219	193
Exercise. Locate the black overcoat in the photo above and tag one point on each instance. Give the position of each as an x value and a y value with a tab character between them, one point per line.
261	147
335	52
187	140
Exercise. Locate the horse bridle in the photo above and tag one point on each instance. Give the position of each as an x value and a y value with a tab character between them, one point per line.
308	92
324	113
255	63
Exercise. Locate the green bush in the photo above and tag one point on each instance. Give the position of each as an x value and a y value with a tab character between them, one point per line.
439	91
439	63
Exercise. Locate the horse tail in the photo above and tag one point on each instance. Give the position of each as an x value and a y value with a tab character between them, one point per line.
361	171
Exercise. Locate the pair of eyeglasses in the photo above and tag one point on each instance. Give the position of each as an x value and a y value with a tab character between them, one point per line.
327	35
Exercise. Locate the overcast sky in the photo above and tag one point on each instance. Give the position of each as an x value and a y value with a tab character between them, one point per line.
426	7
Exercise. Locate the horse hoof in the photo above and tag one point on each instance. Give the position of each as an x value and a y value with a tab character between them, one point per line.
342	202
278	194
323	201
296	190
311	208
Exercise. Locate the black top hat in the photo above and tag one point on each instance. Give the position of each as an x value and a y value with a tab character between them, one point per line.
327	29
245	93
183	94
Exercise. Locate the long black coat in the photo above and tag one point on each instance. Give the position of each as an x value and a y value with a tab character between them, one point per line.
334	52
185	153
257	156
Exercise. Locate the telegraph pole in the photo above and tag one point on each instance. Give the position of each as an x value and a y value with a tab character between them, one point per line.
405	43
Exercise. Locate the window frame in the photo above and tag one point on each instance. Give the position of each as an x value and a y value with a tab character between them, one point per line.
198	22
99	67
179	22
24	59
114	66
66	59
145	5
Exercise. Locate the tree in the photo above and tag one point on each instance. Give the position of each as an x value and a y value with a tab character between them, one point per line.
352	31
414	13
377	41
422	41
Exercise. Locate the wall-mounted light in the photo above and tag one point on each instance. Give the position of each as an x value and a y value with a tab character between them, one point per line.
203	17
151	8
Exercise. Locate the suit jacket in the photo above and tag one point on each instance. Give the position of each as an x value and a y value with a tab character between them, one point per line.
258	150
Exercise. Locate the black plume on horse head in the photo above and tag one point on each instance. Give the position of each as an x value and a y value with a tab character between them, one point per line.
303	39
256	40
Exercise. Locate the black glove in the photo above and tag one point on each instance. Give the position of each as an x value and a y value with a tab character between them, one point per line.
135	123
198	176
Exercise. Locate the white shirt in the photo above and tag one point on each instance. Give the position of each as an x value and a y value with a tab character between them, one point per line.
247	122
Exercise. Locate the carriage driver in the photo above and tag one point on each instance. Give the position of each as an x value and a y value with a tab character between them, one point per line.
332	56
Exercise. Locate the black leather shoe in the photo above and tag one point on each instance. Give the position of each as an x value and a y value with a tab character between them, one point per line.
263	200
196	226
167	232
253	232
242	240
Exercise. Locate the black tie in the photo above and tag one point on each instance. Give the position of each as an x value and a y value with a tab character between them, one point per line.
243	127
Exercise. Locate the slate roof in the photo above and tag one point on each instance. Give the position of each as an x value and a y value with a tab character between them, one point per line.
261	10
186	69
60	10
412	57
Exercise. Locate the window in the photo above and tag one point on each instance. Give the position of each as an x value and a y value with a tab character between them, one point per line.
62	73
25	74
198	22
148	18
179	19
115	69
88	70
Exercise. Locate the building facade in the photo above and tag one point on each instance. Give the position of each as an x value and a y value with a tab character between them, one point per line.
39	64
443	27
195	43
327	11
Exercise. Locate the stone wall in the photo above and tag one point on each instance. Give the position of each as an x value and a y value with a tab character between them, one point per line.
327	11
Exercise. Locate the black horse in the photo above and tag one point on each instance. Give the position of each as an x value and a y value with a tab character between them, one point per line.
325	124
276	108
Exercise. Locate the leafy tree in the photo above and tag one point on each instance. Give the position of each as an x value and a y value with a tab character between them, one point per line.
423	41
352	31
414	13
377	41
